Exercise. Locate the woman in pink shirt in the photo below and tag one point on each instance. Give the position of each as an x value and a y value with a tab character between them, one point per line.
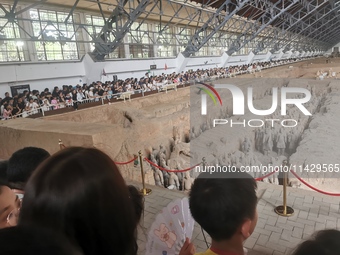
7	112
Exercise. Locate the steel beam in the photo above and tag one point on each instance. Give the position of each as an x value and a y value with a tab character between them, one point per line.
290	21
333	39
309	30
271	11
71	11
215	23
334	23
29	7
110	37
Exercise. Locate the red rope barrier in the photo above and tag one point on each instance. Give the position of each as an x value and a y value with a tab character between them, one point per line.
171	171
125	163
313	188
267	175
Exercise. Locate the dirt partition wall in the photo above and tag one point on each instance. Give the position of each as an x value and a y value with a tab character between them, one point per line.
120	129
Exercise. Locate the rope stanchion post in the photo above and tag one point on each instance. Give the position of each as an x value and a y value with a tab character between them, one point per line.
284	210
144	191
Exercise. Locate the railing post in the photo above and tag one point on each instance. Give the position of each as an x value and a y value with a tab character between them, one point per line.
144	191
284	210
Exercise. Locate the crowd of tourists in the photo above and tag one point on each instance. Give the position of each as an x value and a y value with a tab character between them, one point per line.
31	102
58	205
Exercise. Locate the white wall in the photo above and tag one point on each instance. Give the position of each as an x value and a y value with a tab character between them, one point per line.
262	57
286	55
203	62
40	75
138	67
237	60
331	49
47	75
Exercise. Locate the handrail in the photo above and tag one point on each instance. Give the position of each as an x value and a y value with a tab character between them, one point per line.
227	74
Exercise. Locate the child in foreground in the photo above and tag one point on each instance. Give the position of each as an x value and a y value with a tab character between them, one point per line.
224	205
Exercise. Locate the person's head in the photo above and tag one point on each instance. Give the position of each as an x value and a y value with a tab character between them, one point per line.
224	204
9	207
137	201
23	240
3	170
325	242
22	164
80	192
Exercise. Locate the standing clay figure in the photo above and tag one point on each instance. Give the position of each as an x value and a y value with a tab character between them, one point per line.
173	181
318	73
162	151
157	179
188	181
246	146
176	135
281	143
166	175
180	176
259	139
312	90
235	159
153	159
227	159
274	177
247	158
267	142
154	156
157	174
255	162
329	73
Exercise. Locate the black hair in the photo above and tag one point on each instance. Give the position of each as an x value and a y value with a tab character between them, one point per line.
24	240
3	170
22	164
325	242
81	193
137	200
221	203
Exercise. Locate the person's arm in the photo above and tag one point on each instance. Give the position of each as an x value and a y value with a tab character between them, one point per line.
188	248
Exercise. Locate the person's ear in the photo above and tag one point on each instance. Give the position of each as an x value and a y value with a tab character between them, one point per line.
246	228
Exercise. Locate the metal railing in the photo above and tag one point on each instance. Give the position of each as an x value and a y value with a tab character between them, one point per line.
69	103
